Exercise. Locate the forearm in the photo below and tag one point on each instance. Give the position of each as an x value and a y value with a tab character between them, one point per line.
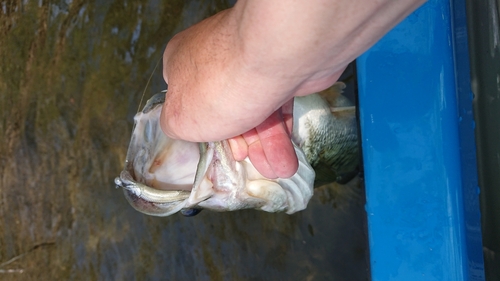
305	40
229	72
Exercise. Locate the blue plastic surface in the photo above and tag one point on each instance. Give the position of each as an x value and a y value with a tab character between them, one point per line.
418	150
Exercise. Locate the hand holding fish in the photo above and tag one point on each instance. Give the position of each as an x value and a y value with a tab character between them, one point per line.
231	75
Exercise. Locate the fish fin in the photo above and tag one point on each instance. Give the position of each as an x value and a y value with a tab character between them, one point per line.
345	111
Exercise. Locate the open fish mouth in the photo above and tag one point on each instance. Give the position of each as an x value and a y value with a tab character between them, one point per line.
163	176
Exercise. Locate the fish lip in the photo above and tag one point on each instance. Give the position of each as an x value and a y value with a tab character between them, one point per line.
137	194
159	196
151	208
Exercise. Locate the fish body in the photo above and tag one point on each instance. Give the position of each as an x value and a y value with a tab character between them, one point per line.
163	176
325	128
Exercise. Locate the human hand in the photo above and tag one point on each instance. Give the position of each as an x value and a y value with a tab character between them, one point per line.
231	74
242	119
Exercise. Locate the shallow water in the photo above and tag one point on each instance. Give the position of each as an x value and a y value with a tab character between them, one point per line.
72	74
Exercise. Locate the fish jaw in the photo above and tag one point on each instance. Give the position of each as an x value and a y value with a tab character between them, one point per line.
148	200
223	184
157	160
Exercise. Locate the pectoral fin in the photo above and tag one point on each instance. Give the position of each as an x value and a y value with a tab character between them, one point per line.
345	111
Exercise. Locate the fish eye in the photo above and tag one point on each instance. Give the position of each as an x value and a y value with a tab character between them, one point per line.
190	212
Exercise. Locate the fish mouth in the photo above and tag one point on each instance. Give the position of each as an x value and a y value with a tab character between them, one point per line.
149	185
163	176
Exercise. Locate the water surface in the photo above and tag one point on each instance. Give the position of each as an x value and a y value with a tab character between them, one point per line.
72	74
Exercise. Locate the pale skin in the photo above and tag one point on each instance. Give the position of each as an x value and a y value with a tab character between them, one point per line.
233	76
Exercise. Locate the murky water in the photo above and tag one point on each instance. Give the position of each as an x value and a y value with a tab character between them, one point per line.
72	74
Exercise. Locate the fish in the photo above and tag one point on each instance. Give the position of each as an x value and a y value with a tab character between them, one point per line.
163	176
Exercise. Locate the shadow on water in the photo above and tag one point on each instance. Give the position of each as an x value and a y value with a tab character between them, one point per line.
71	77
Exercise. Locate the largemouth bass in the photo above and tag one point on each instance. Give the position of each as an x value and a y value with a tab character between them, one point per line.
163	176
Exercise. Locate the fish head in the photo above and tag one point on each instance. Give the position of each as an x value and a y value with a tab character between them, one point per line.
163	176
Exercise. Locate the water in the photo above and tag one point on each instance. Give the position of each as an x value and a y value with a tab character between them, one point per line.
72	74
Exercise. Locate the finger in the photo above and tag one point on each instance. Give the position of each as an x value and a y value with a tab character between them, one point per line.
239	148
257	156
277	146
